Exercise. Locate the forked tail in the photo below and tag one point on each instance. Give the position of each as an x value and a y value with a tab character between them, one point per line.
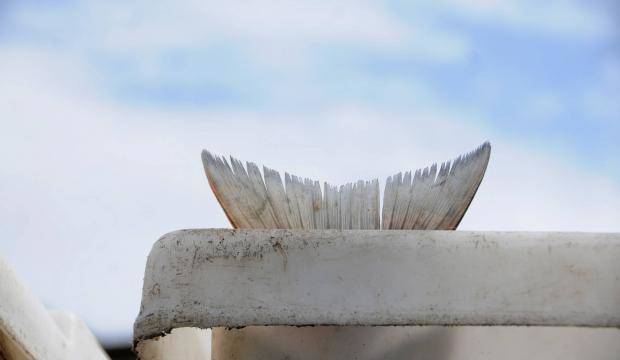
424	199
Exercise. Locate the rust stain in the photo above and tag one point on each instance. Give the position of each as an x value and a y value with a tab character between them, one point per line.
577	271
277	246
155	290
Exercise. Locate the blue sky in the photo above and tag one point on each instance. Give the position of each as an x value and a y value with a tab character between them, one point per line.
543	72
107	105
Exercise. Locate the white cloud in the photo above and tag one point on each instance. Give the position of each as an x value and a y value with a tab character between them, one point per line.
169	24
87	186
274	33
559	17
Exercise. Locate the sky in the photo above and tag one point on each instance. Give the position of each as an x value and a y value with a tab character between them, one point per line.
106	105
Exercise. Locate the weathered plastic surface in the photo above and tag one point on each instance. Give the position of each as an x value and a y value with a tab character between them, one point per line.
415	342
29	331
181	343
232	278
